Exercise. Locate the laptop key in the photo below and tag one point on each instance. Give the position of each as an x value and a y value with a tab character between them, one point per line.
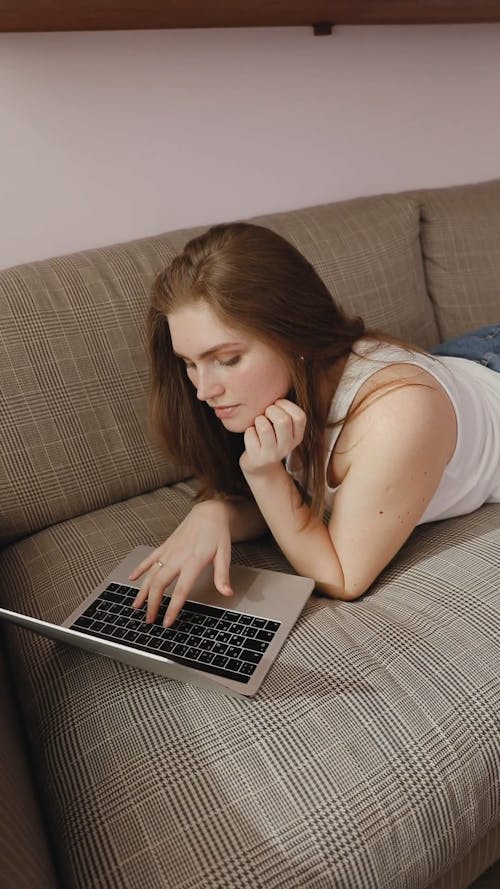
109	596
255	645
210	633
249	632
259	622
265	635
233	651
156	629
82	623
245	619
180	650
192	653
219	648
272	625
248	669
206	657
119	633
251	657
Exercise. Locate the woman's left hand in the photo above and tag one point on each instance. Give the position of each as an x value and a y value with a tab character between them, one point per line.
273	436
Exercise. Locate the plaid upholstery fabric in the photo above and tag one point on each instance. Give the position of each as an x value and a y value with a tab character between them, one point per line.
367	251
24	858
370	757
73	376
461	248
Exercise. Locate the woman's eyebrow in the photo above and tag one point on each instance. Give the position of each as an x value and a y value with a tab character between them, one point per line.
211	351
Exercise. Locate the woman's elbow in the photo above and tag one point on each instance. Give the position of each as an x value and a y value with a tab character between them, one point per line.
345	593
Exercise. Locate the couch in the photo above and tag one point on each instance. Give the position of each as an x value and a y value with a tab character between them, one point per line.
371	755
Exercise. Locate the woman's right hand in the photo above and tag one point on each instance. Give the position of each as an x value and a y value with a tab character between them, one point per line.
202	538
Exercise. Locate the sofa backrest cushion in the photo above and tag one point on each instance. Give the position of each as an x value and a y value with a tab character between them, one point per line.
367	251
74	370
74	375
461	249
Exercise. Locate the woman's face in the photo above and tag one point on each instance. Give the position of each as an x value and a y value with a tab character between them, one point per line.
236	374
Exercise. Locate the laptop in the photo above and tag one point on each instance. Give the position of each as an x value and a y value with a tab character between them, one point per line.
227	643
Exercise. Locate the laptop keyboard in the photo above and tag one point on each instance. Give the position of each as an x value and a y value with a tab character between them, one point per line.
214	640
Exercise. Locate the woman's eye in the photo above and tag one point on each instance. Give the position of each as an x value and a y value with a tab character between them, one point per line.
230	361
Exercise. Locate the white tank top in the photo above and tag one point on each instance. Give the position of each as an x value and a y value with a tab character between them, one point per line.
472	477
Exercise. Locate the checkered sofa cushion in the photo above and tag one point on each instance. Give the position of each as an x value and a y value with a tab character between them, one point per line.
461	250
74	376
368	253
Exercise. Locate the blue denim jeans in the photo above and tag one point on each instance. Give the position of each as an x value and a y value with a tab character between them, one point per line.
481	345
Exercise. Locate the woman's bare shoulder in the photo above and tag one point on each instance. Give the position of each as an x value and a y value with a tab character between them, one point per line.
397	404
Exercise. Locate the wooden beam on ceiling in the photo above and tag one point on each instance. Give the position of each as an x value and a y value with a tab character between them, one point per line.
99	15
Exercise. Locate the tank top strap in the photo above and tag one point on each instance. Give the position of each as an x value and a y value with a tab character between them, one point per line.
367	357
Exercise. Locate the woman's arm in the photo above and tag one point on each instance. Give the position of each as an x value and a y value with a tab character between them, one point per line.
394	450
243	516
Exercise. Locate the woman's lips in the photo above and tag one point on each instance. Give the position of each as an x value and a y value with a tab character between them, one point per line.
224	412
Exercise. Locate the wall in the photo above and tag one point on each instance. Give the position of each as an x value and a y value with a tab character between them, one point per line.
112	135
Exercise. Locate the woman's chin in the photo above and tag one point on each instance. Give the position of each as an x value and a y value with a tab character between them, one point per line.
234	425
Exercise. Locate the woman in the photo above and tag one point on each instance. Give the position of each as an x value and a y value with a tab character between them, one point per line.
283	406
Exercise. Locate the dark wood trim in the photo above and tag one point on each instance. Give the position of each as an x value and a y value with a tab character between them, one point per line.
99	15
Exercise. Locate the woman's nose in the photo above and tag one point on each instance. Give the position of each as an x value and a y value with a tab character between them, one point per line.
208	387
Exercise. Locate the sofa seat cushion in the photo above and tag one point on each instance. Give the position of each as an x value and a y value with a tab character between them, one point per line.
370	756
460	245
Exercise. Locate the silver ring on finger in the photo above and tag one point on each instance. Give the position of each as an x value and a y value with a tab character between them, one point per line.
160	564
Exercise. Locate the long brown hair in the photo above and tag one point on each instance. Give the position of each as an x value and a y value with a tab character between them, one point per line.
254	280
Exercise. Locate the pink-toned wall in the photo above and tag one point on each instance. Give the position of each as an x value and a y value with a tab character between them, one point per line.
108	136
